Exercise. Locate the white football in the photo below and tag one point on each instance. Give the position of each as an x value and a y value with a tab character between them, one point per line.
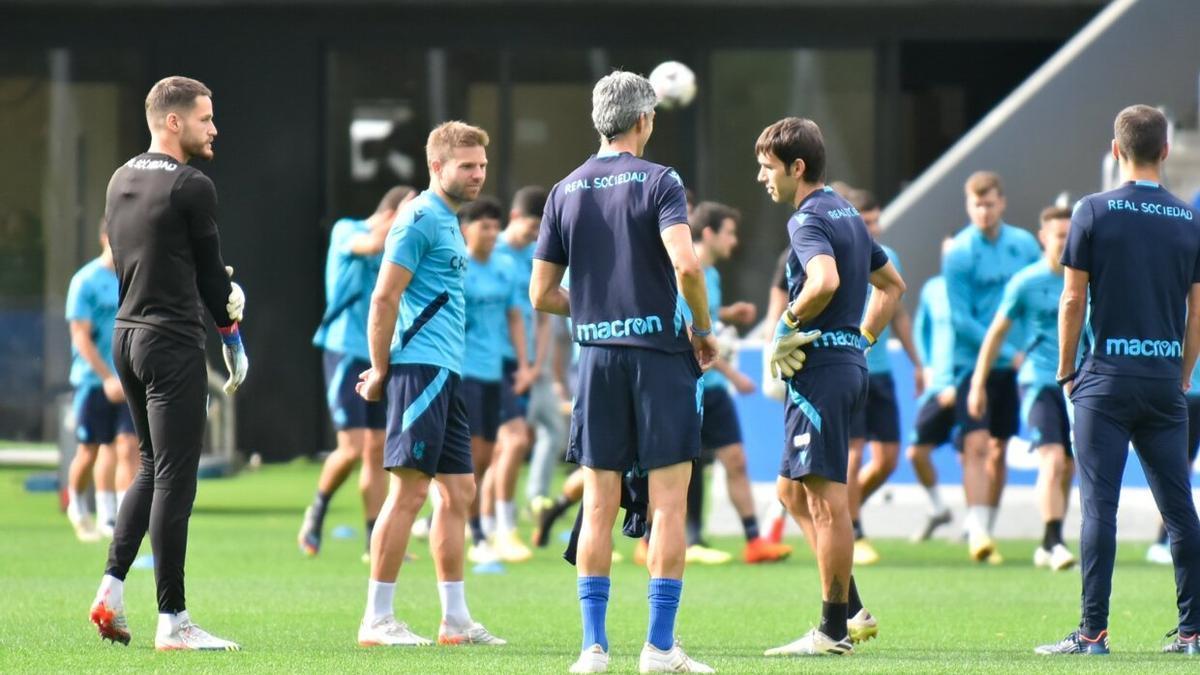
674	84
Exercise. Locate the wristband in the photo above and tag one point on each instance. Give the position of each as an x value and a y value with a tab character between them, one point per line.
1067	378
867	334
790	319
701	333
230	334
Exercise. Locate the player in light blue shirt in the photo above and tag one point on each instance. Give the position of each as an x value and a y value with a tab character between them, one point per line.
103	425
980	261
351	266
420	360
1031	302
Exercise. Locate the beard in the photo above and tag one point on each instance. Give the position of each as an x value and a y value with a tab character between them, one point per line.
463	192
195	146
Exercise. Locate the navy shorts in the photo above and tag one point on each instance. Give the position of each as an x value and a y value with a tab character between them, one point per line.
1193	405
635	409
346	407
879	420
821	402
427	426
1002	418
1045	414
483	407
720	426
512	405
934	424
99	421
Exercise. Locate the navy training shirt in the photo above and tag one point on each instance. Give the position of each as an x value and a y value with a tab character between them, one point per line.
826	224
1140	246
604	221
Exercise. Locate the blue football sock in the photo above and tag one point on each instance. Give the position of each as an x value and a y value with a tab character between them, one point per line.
664	603
593	604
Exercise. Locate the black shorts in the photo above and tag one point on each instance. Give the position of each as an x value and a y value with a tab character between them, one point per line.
720	426
1003	415
1044	410
512	404
820	404
99	421
934	424
427	421
879	419
346	407
483	407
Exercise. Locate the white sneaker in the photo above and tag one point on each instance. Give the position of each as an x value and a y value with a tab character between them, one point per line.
388	632
1061	558
482	554
475	634
106	529
510	548
189	636
591	660
862	627
85	528
674	660
1041	557
814	643
1159	554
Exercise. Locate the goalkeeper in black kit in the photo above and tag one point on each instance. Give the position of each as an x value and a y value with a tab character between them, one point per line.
161	216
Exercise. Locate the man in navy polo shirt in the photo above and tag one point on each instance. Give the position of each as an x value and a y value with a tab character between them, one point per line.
1135	251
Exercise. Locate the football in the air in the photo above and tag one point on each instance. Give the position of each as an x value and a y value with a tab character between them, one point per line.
674	83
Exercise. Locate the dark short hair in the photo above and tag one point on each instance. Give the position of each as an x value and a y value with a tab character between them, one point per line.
1055	213
863	200
710	216
793	138
982	182
530	201
394	197
1141	133
174	93
483	207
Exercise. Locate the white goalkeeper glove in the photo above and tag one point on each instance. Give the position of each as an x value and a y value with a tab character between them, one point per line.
235	358
787	355
236	305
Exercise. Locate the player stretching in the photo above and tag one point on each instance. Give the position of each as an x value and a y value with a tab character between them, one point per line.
420	360
103	425
621	225
493	321
982	258
934	423
351	266
831	262
879	420
162	225
1135	251
1031	303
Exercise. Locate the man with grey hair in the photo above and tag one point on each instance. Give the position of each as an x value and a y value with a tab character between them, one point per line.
620	223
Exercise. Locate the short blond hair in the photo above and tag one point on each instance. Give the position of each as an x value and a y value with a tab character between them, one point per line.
453	134
982	182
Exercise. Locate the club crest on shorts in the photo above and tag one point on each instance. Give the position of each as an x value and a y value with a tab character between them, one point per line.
419	450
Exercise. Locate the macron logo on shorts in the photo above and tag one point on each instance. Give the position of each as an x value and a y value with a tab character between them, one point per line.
619	328
801	440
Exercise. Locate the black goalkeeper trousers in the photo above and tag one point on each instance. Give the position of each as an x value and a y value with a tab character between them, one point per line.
165	383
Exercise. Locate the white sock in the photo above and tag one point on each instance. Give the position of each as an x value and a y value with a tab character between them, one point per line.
506	516
76	509
106	506
167	623
992	512
120	500
454	603
112	590
977	521
489	525
935	499
380	597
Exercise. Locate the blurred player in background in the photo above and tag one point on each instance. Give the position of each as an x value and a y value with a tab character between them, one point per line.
621	224
351	267
831	262
1031	302
103	426
714	234
516	434
879	420
494	323
983	257
1133	273
935	419
420	360
161	216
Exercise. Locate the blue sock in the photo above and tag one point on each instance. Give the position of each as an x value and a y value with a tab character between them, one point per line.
664	603
593	604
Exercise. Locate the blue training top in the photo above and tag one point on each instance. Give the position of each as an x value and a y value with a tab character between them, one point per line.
523	260
605	221
1140	246
712	283
491	291
92	296
933	331
878	360
426	241
1030	302
349	281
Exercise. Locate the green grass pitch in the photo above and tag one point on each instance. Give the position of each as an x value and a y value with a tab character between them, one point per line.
247	581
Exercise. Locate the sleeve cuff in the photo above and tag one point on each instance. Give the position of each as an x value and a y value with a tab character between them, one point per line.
230	334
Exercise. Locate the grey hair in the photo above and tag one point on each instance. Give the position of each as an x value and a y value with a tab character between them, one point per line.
618	100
